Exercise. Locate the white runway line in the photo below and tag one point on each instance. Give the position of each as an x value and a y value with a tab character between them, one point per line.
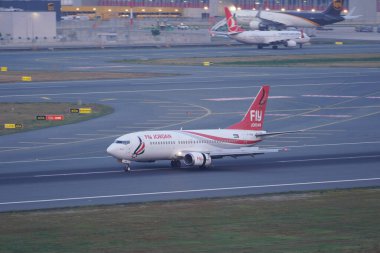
191	191
329	96
241	98
329	159
55	160
36	142
80	173
177	89
336	144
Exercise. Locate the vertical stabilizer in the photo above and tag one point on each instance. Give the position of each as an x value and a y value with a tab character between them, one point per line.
254	117
232	25
335	8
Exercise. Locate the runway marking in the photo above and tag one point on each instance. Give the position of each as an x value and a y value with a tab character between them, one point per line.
242	98
280	141
335	144
329	96
107	99
35	142
55	160
191	191
338	122
179	89
291	137
89	134
327	159
63	138
80	173
109	130
278	114
310	115
133	127
46	98
373	97
326	116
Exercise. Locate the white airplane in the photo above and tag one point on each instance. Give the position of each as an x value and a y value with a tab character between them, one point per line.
264	38
197	147
269	20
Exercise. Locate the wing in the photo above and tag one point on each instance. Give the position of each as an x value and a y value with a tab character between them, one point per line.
250	151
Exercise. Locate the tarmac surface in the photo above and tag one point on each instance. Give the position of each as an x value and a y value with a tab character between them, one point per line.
68	166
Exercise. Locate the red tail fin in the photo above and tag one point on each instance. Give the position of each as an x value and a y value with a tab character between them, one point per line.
231	22
254	118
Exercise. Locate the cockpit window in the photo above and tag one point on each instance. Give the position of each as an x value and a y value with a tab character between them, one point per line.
122	142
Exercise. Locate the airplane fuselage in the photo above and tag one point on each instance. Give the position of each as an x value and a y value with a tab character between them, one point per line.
267	37
147	146
288	19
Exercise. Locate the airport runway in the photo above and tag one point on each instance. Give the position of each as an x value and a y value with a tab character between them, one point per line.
68	166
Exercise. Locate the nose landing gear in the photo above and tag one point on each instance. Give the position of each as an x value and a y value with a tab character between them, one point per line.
127	164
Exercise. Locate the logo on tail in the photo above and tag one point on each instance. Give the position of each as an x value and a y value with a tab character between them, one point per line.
254	118
338	5
231	22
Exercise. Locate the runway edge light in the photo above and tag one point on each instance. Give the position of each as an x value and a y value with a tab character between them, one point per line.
3	69
338	43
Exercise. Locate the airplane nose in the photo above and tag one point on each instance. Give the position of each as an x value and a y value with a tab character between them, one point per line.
113	150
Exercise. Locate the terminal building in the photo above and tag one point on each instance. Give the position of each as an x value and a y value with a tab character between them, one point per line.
108	9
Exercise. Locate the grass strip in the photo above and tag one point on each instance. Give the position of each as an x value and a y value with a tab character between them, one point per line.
25	114
315	60
44	76
326	221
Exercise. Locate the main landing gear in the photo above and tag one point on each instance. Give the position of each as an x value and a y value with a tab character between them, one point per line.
175	164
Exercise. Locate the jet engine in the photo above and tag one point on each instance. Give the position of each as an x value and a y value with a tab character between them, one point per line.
257	25
290	43
197	159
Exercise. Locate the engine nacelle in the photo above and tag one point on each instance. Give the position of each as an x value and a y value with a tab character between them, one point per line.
256	25
291	43
197	159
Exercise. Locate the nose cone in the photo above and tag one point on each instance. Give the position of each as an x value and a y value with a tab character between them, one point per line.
115	151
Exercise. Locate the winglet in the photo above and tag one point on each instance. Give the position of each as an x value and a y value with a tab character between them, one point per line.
233	27
254	117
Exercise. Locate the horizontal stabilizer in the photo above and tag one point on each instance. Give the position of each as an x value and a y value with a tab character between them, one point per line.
278	133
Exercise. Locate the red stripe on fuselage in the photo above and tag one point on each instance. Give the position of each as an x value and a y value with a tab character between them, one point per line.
138	152
226	140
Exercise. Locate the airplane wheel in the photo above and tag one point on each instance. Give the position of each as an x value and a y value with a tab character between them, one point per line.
127	167
275	47
175	164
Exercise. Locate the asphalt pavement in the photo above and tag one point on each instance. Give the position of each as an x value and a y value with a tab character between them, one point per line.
67	166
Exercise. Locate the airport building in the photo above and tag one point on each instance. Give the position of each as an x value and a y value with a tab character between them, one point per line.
369	9
24	26
108	9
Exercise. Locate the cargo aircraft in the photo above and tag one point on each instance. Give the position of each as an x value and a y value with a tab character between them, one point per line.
198	147
269	20
264	38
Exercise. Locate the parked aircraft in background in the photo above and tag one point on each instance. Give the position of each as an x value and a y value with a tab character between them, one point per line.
197	147
264	38
269	20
